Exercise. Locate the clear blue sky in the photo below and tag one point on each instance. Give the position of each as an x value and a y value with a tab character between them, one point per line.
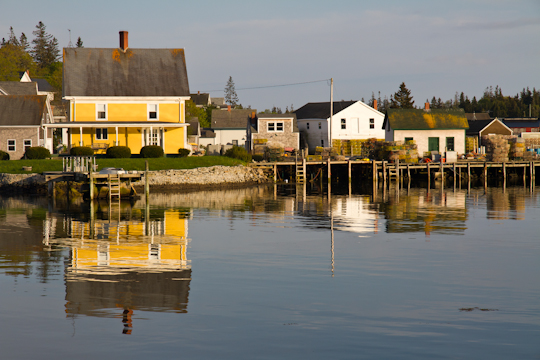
436	47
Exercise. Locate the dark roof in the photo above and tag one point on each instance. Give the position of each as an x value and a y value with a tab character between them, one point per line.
475	126
200	99
521	122
18	88
43	85
136	72
478	116
208	133
22	110
419	119
321	110
233	119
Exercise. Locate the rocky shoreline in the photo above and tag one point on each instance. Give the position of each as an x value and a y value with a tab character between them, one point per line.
160	181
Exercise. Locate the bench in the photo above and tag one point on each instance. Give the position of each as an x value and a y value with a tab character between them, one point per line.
99	146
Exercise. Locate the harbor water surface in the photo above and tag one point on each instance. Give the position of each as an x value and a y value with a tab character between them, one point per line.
273	272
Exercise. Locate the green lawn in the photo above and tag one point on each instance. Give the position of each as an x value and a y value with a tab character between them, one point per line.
55	164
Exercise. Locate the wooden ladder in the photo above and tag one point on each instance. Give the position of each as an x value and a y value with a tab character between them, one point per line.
300	174
392	173
114	186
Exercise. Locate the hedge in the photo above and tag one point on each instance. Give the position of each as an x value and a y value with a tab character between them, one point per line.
118	152
152	151
81	151
183	152
237	152
37	153
4	155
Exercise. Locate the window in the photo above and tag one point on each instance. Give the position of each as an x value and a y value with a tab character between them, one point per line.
372	123
343	124
152	111
101	111
102	134
11	145
407	139
27	144
307	124
277	126
319	126
322	142
449	144
235	142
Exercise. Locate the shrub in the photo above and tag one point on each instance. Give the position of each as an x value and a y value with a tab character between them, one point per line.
118	152
4	155
237	152
258	157
37	153
183	152
81	151
152	151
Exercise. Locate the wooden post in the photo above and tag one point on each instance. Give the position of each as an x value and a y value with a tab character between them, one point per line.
459	169
384	172
275	173
91	184
110	192
409	171
51	188
375	172
469	171
525	175
146	184
455	175
304	167
485	175
329	173
441	166
397	173
504	175
350	177
428	176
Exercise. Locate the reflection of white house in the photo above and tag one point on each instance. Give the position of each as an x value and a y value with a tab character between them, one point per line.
353	214
351	120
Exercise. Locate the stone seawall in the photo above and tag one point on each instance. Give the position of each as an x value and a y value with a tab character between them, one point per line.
207	177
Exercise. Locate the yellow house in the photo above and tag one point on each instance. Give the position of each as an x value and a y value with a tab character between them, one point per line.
125	97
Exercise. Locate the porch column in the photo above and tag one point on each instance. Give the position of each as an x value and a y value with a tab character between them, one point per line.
80	134
116	135
150	140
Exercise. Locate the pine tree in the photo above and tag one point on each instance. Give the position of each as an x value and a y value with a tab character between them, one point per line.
231	97
45	51
24	42
12	38
402	98
79	43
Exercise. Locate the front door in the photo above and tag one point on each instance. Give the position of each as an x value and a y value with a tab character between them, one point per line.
433	144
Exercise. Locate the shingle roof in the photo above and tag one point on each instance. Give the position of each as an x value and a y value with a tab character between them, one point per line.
208	133
22	110
233	119
136	72
475	126
478	116
321	110
193	128
18	88
521	123
200	99
419	119
43	85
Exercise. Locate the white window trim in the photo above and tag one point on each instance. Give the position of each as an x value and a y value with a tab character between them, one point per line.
148	112
343	122
102	138
275	124
14	145
371	123
106	112
25	140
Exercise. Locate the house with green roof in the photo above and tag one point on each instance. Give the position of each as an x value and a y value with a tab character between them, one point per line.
432	129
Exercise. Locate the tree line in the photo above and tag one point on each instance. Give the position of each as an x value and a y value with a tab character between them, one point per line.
526	103
41	57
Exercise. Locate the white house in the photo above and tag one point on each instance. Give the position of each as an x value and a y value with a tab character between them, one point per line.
351	120
230	125
432	130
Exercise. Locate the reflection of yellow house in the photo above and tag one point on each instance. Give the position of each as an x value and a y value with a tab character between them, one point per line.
125	97
119	246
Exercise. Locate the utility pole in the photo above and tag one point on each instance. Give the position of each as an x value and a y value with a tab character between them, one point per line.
331	112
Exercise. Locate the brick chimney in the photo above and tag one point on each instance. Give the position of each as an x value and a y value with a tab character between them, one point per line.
123	40
229	108
427	106
375	104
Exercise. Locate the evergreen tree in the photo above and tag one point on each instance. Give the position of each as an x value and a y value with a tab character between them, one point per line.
24	42
79	43
45	51
12	38
231	97
402	99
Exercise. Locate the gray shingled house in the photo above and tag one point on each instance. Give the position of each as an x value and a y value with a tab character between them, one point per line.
229	125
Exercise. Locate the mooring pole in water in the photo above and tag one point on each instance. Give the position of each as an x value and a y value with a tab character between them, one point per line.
146	185
469	171
375	172
275	173
441	166
350	171
329	178
504	175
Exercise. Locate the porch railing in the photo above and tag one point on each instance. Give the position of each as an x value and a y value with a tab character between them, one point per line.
79	163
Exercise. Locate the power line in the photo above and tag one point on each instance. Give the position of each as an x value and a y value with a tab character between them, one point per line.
272	86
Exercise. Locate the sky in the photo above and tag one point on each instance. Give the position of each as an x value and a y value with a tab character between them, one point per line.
436	47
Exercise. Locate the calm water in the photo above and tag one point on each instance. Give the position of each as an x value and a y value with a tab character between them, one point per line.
273	273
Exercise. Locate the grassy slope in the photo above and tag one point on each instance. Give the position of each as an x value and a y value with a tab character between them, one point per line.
55	164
